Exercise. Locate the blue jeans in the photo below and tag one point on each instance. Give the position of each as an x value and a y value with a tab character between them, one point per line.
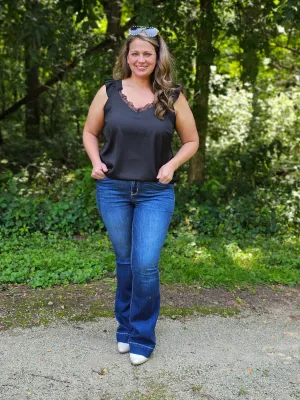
136	215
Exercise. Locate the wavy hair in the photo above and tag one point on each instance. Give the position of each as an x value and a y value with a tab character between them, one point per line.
162	77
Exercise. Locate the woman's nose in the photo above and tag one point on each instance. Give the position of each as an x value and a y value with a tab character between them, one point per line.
141	58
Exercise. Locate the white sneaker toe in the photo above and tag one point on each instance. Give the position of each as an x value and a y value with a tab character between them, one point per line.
137	359
123	347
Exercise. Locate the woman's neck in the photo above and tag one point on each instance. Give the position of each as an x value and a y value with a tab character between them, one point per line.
142	83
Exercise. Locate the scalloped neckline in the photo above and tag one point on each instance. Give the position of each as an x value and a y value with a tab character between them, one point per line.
130	104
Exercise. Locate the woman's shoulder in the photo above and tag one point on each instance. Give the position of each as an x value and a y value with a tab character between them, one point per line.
112	85
109	81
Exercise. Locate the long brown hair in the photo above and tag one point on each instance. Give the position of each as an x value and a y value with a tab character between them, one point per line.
162	77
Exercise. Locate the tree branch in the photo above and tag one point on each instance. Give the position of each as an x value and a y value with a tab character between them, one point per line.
287	48
107	43
292	69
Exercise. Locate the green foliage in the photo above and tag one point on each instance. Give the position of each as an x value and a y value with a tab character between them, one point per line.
66	206
54	200
260	211
231	262
43	261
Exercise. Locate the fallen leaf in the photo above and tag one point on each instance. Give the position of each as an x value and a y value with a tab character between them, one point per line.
293	334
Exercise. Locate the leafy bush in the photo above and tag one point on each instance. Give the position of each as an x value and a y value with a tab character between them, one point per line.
204	211
66	206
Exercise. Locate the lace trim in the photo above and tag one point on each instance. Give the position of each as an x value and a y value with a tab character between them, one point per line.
131	105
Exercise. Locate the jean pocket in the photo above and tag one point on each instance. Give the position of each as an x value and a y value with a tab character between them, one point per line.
164	184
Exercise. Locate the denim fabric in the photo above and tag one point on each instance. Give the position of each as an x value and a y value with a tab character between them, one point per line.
137	215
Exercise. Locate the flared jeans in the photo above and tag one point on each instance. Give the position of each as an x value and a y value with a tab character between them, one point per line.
136	215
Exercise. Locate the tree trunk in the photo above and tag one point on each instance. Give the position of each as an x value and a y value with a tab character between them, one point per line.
250	40
32	111
112	10
204	60
3	107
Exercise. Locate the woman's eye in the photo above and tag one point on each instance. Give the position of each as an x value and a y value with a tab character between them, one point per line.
136	54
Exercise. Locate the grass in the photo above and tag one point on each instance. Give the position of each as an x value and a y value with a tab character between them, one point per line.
196	310
243	392
230	262
41	261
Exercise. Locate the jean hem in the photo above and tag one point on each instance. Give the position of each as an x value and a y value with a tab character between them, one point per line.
122	337
142	350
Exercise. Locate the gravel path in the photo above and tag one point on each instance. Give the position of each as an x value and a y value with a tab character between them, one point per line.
253	355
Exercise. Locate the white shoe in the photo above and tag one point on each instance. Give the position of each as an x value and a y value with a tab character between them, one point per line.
137	359
123	347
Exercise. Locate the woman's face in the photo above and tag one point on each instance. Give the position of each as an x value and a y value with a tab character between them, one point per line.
141	58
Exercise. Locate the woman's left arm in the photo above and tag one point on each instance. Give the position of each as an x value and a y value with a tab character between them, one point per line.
187	131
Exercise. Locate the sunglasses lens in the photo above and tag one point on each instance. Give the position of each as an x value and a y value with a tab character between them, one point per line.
151	31
136	30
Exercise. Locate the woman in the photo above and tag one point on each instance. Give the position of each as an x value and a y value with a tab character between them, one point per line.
138	111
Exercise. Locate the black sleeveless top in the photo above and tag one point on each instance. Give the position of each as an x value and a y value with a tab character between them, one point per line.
137	143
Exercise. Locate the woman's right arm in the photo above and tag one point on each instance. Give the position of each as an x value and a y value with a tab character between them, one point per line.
91	130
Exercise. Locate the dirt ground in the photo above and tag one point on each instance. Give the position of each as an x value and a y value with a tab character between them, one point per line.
23	306
212	344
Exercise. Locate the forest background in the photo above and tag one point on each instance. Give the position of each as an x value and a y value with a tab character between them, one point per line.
237	201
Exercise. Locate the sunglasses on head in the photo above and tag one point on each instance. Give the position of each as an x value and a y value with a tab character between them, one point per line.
149	30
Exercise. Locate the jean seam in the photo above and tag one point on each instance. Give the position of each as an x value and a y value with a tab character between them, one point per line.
98	201
132	244
143	345
117	298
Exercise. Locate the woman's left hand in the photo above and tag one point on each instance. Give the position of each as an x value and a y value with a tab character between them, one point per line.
166	172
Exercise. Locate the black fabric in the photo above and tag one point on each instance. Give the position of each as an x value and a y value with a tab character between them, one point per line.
137	143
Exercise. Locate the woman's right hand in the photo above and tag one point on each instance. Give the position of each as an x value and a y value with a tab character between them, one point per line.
98	171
